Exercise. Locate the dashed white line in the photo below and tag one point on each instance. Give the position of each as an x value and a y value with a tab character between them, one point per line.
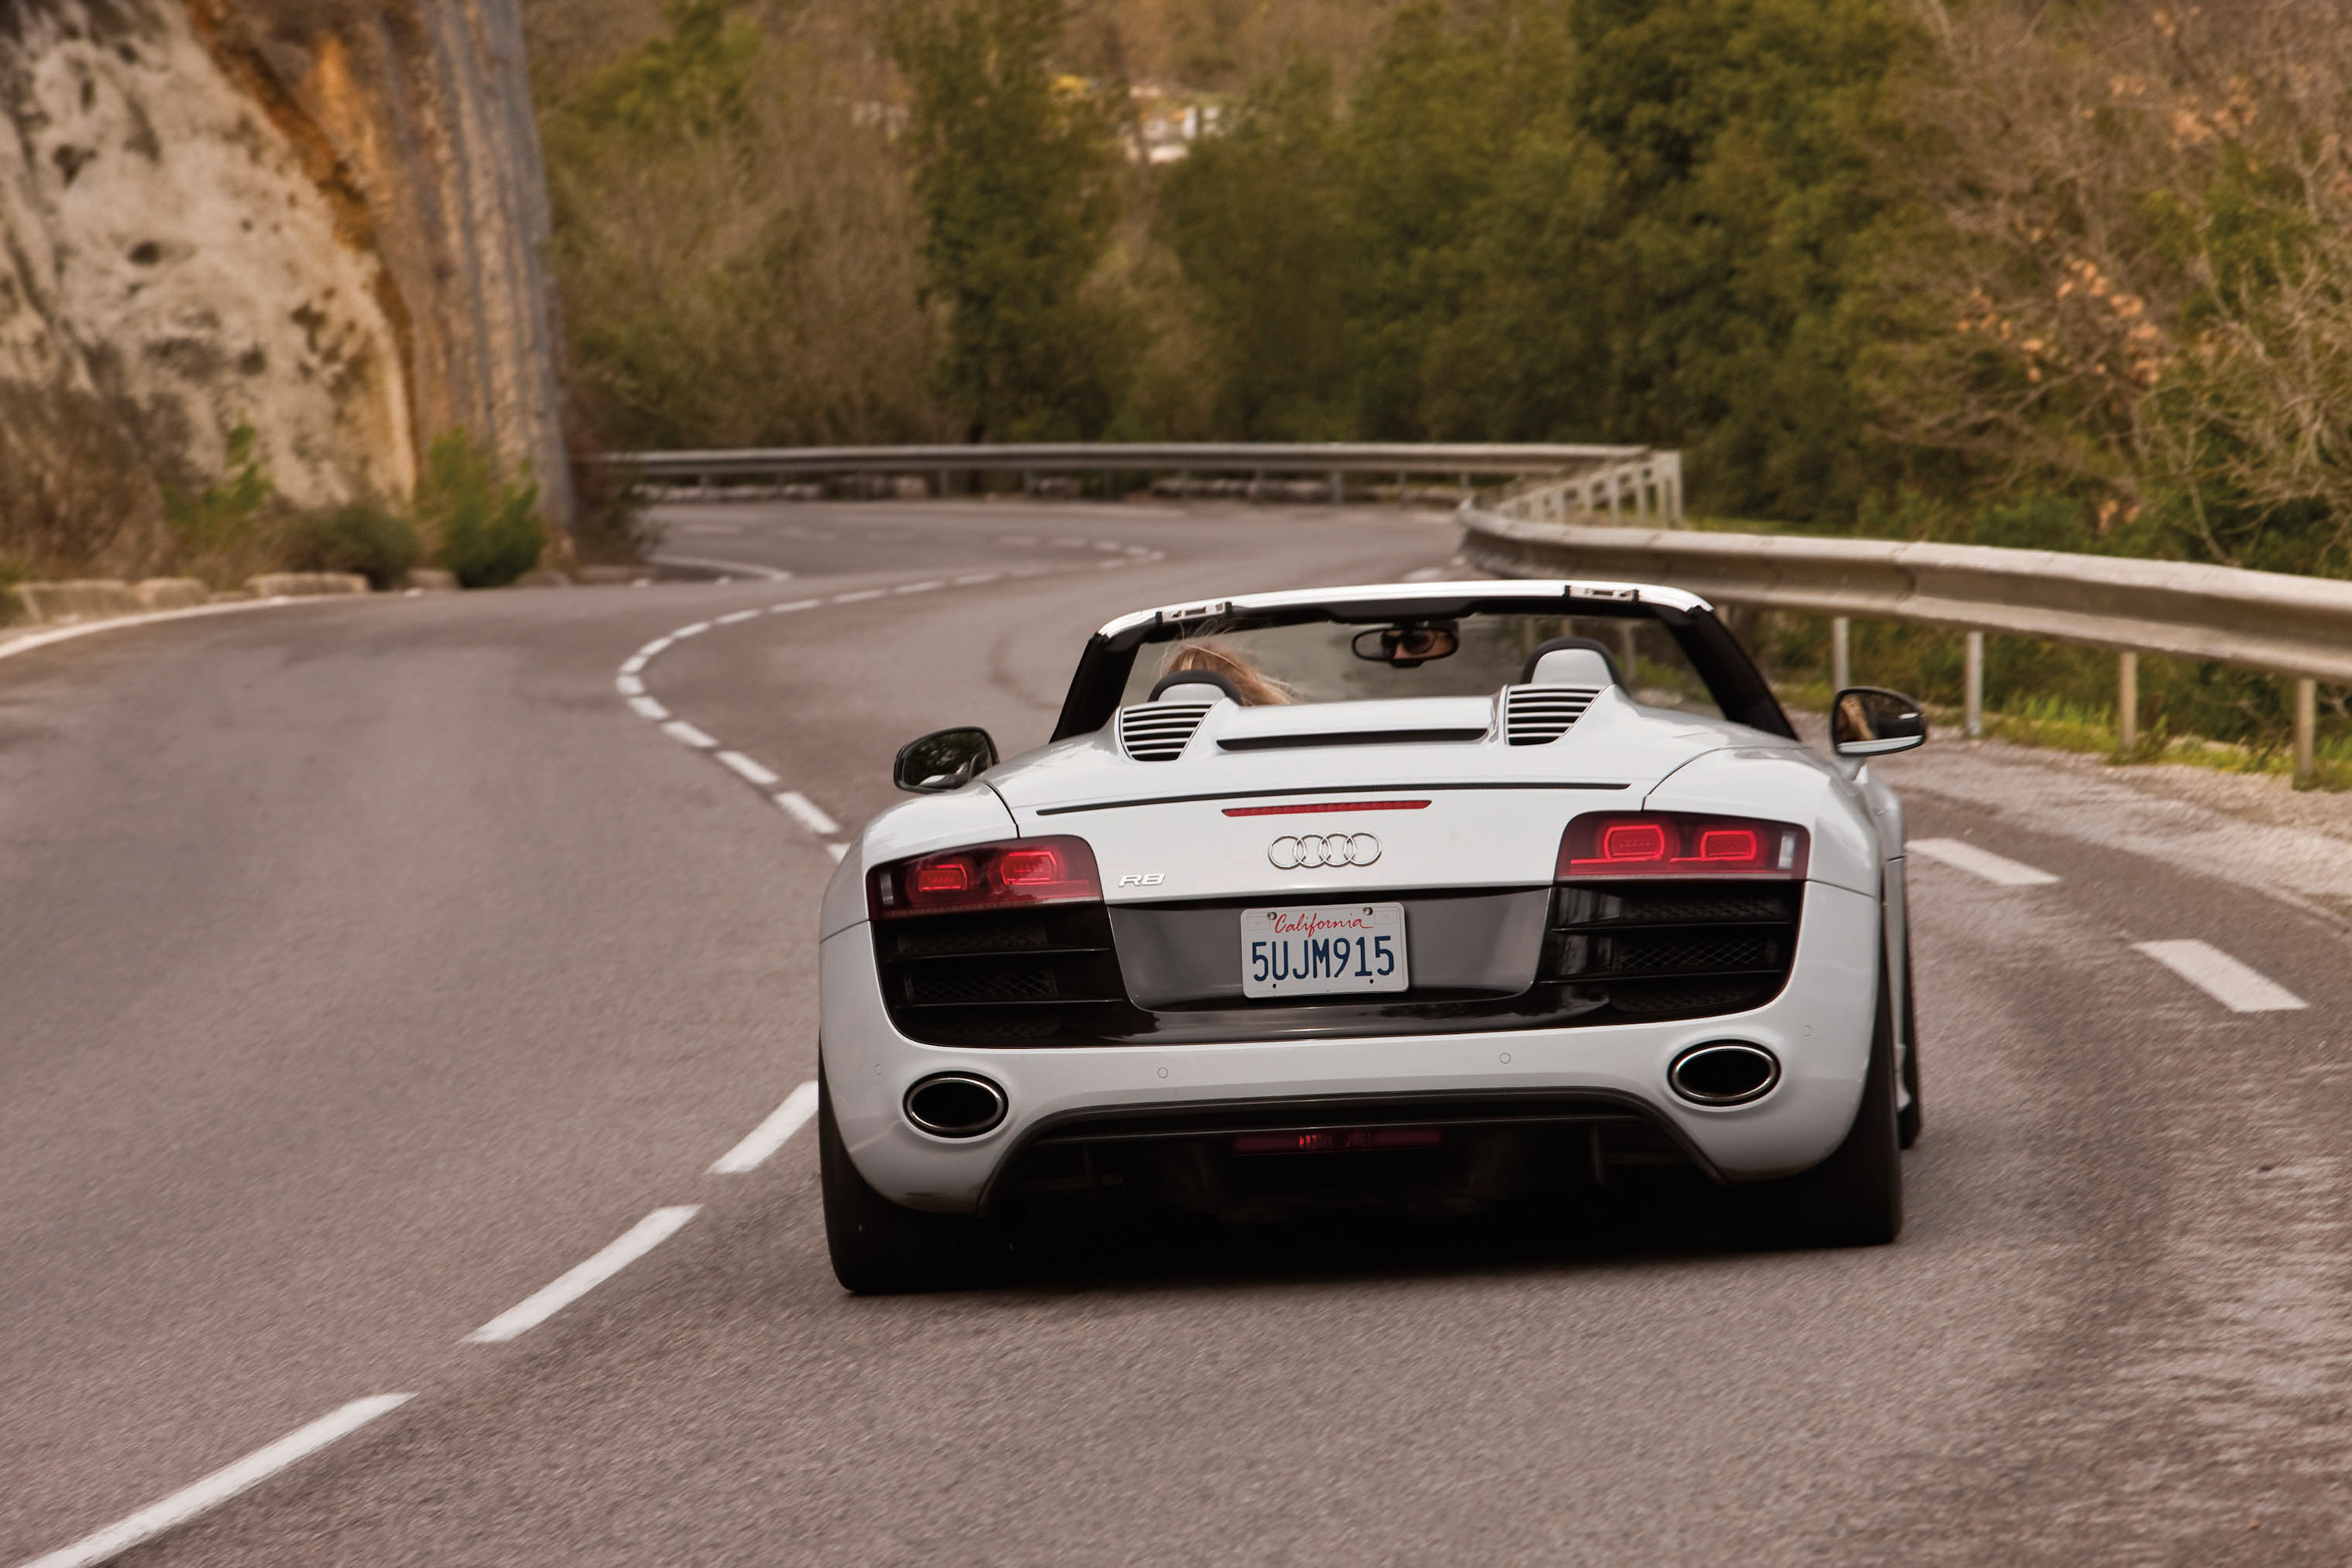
919	587
737	618
544	1303
861	594
795	604
695	630
653	649
2232	983
1984	863
628	686
633	664
805	812
646	708
770	1135
748	769
220	1486
975	580
839	852
680	731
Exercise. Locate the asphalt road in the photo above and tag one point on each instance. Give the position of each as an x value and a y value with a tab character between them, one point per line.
369	966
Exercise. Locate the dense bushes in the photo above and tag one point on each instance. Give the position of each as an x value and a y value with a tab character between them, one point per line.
487	527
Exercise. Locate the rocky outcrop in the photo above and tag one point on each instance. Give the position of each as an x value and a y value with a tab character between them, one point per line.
326	217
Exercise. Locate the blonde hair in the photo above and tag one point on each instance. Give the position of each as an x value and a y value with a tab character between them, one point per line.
1255	688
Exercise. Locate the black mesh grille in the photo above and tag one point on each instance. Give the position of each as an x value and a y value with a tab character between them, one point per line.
1017	977
1673	948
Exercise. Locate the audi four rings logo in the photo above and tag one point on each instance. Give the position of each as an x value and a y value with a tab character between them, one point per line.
1324	849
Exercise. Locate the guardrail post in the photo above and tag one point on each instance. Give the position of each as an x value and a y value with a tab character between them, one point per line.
1841	653
2307	732
1339	487
2128	702
1972	704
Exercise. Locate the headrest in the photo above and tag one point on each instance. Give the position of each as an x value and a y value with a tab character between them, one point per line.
1571	661
1205	686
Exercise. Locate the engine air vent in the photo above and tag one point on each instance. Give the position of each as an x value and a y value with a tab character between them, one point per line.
1158	732
1537	715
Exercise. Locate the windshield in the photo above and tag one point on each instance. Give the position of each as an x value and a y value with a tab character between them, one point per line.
1472	655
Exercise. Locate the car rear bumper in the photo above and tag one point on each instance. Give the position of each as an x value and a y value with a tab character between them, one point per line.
1818	1027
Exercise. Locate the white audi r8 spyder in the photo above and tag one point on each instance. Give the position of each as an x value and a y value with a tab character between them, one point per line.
1436	896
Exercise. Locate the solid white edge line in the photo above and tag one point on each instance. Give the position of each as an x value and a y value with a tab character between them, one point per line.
807	813
738	762
52	634
764	573
220	1486
646	708
770	1135
680	731
2236	985
578	1280
1984	863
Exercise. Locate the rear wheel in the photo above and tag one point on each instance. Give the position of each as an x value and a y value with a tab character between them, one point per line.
882	1248
1854	1198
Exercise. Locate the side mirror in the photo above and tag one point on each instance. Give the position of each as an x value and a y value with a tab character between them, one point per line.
1871	722
943	760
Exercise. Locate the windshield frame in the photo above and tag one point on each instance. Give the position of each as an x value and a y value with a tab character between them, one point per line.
1731	678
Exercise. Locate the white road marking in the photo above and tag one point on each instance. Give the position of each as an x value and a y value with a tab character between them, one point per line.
695	630
646	708
577	1281
633	664
680	731
654	649
628	686
795	604
861	594
220	1486
919	587
765	574
737	617
1982	863
29	641
2223	978
805	812
748	769
1426	575
839	852
975	580
770	1135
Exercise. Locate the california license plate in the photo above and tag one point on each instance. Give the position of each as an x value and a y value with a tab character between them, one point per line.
1316	950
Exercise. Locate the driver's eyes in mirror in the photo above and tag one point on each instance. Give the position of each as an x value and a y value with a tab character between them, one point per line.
1405	646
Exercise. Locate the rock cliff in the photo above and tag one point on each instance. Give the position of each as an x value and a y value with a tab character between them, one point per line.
326	217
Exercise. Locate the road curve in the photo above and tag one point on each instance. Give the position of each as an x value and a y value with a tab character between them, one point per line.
375	968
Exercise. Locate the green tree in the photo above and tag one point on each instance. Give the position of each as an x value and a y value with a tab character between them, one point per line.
1018	173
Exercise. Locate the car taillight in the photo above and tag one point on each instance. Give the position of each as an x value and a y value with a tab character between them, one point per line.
1680	844
985	876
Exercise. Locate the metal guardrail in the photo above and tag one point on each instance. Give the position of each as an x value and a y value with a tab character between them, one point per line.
1620	481
2269	621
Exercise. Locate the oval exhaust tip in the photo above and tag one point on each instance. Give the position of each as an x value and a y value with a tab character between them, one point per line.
1724	1072
955	1105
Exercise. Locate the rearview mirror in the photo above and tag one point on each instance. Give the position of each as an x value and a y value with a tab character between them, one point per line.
943	760
1871	722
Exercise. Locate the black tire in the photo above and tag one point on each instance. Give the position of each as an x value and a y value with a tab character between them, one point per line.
882	1248
1854	1198
1908	1122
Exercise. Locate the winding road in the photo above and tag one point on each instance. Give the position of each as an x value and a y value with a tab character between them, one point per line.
412	996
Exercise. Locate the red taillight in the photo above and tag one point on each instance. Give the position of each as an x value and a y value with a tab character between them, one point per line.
1343	1140
1680	844
985	876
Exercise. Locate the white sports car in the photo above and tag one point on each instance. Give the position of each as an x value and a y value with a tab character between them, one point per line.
1431	894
